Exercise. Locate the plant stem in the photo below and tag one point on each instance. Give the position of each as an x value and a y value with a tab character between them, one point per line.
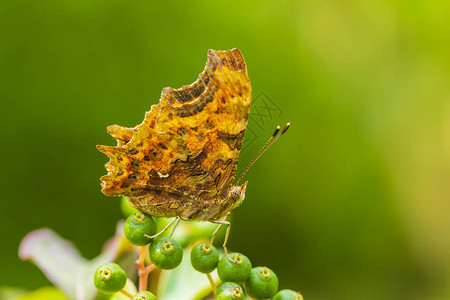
143	281
140	264
148	269
143	271
213	284
126	293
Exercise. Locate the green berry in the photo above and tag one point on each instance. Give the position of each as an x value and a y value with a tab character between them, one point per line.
137	226
204	257
229	291
288	295
110	278
262	283
166	253
236	268
144	296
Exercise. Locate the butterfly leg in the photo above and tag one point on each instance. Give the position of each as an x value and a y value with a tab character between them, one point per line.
221	223
177	220
175	226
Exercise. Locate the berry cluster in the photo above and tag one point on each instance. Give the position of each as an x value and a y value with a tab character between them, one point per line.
239	279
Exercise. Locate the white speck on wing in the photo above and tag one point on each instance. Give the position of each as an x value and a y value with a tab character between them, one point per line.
162	175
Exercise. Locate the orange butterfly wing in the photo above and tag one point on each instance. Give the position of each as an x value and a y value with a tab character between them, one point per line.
183	157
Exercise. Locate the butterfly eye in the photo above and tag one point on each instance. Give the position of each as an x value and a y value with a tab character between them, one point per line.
235	193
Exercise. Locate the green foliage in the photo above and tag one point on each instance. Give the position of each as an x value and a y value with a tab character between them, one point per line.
178	278
47	293
54	255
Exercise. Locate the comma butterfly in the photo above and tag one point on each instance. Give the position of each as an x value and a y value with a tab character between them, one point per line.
181	160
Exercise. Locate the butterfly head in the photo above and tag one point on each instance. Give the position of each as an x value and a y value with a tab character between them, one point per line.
237	194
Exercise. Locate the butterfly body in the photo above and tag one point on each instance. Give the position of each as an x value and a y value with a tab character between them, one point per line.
182	159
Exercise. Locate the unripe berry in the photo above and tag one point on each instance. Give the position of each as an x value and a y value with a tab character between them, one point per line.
204	257
262	283
229	291
288	295
137	226
235	268
144	296
110	278
165	253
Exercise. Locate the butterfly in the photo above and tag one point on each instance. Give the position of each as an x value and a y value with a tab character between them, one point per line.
181	161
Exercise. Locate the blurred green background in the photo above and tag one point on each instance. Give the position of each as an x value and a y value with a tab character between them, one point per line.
353	203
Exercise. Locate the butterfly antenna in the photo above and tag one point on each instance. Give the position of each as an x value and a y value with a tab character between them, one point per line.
264	148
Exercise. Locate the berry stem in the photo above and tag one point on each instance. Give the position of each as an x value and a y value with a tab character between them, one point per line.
148	269
213	284
140	262
126	293
143	275
143	281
